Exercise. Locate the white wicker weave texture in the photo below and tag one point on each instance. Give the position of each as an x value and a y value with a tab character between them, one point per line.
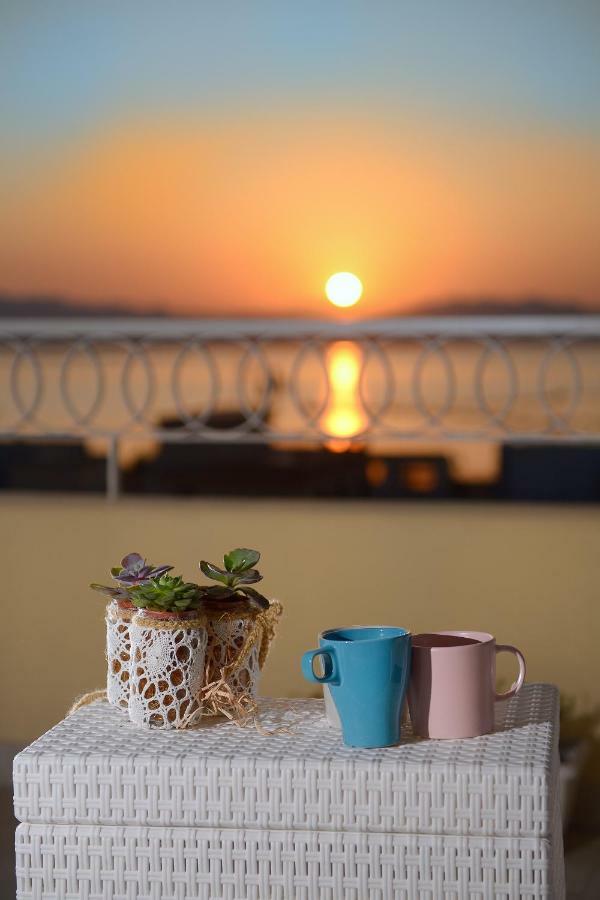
65	862
97	768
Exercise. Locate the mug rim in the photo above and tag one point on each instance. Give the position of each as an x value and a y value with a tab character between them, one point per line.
482	638
400	632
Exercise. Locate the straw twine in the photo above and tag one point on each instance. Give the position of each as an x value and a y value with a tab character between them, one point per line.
218	697
86	699
261	631
174	624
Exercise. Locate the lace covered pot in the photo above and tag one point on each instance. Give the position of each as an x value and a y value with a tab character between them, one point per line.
167	669
239	638
118	651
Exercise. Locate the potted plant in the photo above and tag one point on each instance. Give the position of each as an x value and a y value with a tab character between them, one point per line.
133	571
240	623
168	648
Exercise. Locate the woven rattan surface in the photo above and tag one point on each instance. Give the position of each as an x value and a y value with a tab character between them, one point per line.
96	767
121	863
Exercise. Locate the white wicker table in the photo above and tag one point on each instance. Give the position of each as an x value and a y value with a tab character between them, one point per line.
112	811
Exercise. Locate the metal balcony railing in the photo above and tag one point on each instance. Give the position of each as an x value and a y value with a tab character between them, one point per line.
380	383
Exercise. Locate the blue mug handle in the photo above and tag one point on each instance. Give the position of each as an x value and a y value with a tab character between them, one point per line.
328	663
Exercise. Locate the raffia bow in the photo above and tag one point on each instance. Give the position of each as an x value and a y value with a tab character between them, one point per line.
218	697
261	632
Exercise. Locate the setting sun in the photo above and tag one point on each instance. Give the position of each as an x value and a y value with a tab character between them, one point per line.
343	289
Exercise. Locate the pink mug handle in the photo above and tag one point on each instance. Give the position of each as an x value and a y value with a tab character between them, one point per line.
516	687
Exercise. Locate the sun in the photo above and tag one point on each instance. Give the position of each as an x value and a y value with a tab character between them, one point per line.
343	289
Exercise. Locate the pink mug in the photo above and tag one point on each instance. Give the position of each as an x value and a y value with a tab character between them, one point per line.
452	688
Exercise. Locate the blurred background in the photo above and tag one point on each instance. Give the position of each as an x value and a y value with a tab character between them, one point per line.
318	279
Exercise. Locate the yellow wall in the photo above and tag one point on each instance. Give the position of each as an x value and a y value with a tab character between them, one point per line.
528	574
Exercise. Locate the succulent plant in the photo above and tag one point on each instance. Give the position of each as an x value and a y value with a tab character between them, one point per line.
168	593
111	590
134	570
234	579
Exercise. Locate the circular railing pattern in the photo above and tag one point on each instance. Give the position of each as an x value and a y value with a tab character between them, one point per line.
434	349
84	350
191	420
406	384
558	422
372	349
26	411
134	353
310	418
495	348
254	416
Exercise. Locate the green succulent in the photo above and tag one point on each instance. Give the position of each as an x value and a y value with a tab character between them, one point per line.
234	579
168	593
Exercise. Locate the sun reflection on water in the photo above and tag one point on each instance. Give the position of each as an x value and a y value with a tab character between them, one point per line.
344	417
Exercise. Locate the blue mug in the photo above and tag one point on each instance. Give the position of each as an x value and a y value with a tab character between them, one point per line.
367	672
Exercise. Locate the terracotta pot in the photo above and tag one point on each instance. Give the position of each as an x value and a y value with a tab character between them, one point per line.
159	614
125	604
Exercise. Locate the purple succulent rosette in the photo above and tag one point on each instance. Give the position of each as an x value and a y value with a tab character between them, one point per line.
135	570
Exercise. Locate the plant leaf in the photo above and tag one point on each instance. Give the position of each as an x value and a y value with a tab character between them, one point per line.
217	593
250	576
159	570
132	561
214	572
254	597
241	559
115	592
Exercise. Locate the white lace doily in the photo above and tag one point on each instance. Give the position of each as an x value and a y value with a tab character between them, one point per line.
118	656
167	675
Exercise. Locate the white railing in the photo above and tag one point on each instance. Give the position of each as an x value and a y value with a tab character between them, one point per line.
380	383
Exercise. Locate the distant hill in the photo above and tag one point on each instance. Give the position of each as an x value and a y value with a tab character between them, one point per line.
494	306
59	307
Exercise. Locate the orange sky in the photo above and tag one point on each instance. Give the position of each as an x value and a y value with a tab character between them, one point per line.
252	214
229	158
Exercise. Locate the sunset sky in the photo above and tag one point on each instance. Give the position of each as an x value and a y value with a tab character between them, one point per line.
228	157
